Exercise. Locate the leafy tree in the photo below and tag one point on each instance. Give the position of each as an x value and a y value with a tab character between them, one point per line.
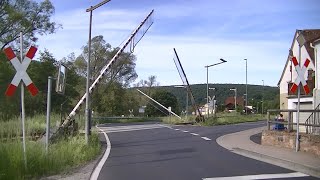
122	71
9	106
27	16
109	96
166	99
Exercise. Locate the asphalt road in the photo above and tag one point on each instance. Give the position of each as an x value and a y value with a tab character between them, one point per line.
179	152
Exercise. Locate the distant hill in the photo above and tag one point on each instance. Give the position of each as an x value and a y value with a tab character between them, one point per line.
256	93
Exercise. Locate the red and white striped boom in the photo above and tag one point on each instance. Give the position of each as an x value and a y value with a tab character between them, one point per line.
132	40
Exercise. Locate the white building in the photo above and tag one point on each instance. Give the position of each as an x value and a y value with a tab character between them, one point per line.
288	100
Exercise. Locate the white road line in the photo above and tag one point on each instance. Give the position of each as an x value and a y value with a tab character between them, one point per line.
205	138
130	128
260	176
194	134
177	129
185	131
96	172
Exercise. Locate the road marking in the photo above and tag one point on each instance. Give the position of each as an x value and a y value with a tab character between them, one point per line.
194	134
205	138
177	129
260	176
98	168
114	129
185	131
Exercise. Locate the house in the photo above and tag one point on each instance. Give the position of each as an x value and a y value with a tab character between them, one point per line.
208	108
229	102
289	100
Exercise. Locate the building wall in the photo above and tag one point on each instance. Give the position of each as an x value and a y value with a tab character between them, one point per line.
316	92
288	76
284	104
305	103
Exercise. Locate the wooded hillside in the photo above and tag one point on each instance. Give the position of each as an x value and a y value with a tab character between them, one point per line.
256	93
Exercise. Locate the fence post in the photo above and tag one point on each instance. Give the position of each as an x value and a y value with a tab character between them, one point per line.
268	120
289	121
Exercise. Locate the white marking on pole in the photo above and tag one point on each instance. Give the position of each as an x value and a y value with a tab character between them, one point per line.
23	115
260	176
159	104
194	134
185	131
205	138
97	170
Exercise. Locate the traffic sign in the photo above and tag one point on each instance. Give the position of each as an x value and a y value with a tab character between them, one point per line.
21	68
300	77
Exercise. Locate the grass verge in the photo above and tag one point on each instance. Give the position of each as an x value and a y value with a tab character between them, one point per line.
220	119
225	119
124	120
61	157
35	125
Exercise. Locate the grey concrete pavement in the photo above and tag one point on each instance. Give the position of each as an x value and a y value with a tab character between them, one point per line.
240	143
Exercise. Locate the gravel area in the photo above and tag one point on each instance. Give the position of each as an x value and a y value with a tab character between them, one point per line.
81	173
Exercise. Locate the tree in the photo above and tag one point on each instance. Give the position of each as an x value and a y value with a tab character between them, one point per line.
166	99
26	16
151	82
9	106
122	71
109	96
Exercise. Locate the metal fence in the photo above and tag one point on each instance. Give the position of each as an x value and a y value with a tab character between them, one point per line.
312	123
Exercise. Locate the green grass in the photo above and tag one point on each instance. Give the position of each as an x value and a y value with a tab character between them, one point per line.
220	119
175	120
124	120
33	125
231	118
61	157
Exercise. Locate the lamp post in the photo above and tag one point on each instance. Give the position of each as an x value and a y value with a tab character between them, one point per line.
222	61
187	99
262	96
246	85
87	113
235	98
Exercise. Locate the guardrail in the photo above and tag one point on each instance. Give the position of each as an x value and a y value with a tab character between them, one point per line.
289	122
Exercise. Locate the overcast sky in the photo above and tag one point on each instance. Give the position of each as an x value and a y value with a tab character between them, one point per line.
202	31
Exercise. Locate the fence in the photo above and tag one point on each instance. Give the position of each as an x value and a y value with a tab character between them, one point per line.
312	120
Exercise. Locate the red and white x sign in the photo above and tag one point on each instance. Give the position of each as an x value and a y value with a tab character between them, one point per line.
300	77
21	68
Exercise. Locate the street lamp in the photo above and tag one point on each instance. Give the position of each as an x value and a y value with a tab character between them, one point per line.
187	100
235	98
222	61
262	96
88	114
246	85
